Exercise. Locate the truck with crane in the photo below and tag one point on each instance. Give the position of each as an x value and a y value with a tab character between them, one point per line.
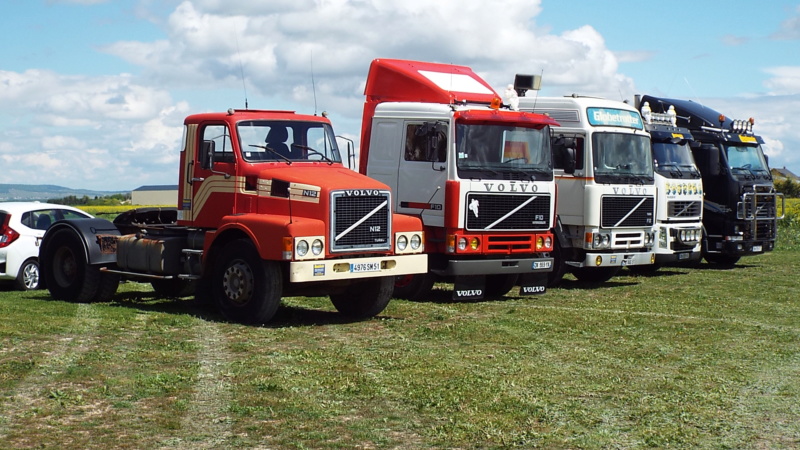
606	191
478	174
741	206
265	210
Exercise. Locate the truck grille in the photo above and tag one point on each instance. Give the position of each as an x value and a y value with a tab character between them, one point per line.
507	212
627	211
361	220
681	209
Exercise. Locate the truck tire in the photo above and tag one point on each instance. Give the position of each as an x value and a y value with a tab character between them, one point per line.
500	285
364	299
174	287
595	274
67	276
721	260
246	288
413	286
28	277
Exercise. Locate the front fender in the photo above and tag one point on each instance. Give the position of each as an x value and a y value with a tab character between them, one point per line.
267	231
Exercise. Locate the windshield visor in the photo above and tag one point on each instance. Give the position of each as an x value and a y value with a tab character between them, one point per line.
276	140
503	152
622	156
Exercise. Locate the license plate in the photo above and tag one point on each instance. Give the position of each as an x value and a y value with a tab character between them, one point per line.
757	248
542	264
365	267
683	256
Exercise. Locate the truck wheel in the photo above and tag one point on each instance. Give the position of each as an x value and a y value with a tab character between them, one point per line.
413	286
500	285
595	274
721	259
174	287
28	277
246	288
364	299
67	275
644	269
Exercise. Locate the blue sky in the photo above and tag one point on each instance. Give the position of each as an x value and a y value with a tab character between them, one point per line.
94	92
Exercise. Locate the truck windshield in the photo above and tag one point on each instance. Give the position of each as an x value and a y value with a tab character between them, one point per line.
278	140
622	157
503	152
747	161
674	160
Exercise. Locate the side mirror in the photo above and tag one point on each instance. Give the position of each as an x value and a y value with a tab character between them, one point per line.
710	154
569	160
207	155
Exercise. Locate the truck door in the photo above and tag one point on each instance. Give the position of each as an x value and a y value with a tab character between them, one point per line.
214	180
422	171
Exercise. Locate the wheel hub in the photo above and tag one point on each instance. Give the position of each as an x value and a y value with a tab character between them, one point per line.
238	283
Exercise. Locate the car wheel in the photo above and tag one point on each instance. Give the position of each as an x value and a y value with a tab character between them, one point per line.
28	277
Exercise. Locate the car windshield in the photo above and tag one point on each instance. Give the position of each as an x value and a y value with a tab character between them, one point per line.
674	159
746	160
622	155
503	152
265	140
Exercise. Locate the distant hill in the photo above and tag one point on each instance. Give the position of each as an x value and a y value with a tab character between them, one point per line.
42	192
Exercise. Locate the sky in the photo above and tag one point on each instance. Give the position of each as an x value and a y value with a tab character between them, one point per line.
93	93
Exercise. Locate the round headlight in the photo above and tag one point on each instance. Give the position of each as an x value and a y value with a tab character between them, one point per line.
416	242
606	240
539	242
598	240
473	243
462	243
302	248
548	242
402	243
316	247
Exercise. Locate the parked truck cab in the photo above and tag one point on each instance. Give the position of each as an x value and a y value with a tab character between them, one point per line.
477	174
679	191
741	206
266	209
606	192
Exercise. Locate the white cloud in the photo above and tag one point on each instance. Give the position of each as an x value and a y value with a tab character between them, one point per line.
785	80
790	28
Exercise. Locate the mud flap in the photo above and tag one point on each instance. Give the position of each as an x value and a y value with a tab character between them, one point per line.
533	284
469	287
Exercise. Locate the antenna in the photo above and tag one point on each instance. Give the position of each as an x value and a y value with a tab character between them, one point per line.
313	86
241	69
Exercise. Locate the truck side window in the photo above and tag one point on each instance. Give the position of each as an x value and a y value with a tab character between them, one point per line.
560	154
425	143
221	138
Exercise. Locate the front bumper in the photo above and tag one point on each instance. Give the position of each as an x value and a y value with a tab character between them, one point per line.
618	259
355	268
460	267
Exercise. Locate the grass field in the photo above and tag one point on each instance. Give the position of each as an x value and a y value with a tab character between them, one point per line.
682	358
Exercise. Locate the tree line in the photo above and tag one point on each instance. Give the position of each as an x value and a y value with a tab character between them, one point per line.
74	200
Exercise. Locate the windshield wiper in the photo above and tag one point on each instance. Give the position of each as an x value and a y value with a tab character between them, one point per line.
275	152
676	173
309	149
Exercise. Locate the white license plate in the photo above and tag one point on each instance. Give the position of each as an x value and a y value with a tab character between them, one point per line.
683	256
756	248
365	267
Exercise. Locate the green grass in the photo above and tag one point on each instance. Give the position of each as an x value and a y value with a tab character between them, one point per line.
683	358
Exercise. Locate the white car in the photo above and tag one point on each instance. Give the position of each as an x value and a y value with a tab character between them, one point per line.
22	225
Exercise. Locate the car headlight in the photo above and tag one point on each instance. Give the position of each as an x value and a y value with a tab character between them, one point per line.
302	248
402	243
462	243
317	247
416	242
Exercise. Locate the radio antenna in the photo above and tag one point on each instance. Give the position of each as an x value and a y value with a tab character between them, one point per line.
313	86
241	69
